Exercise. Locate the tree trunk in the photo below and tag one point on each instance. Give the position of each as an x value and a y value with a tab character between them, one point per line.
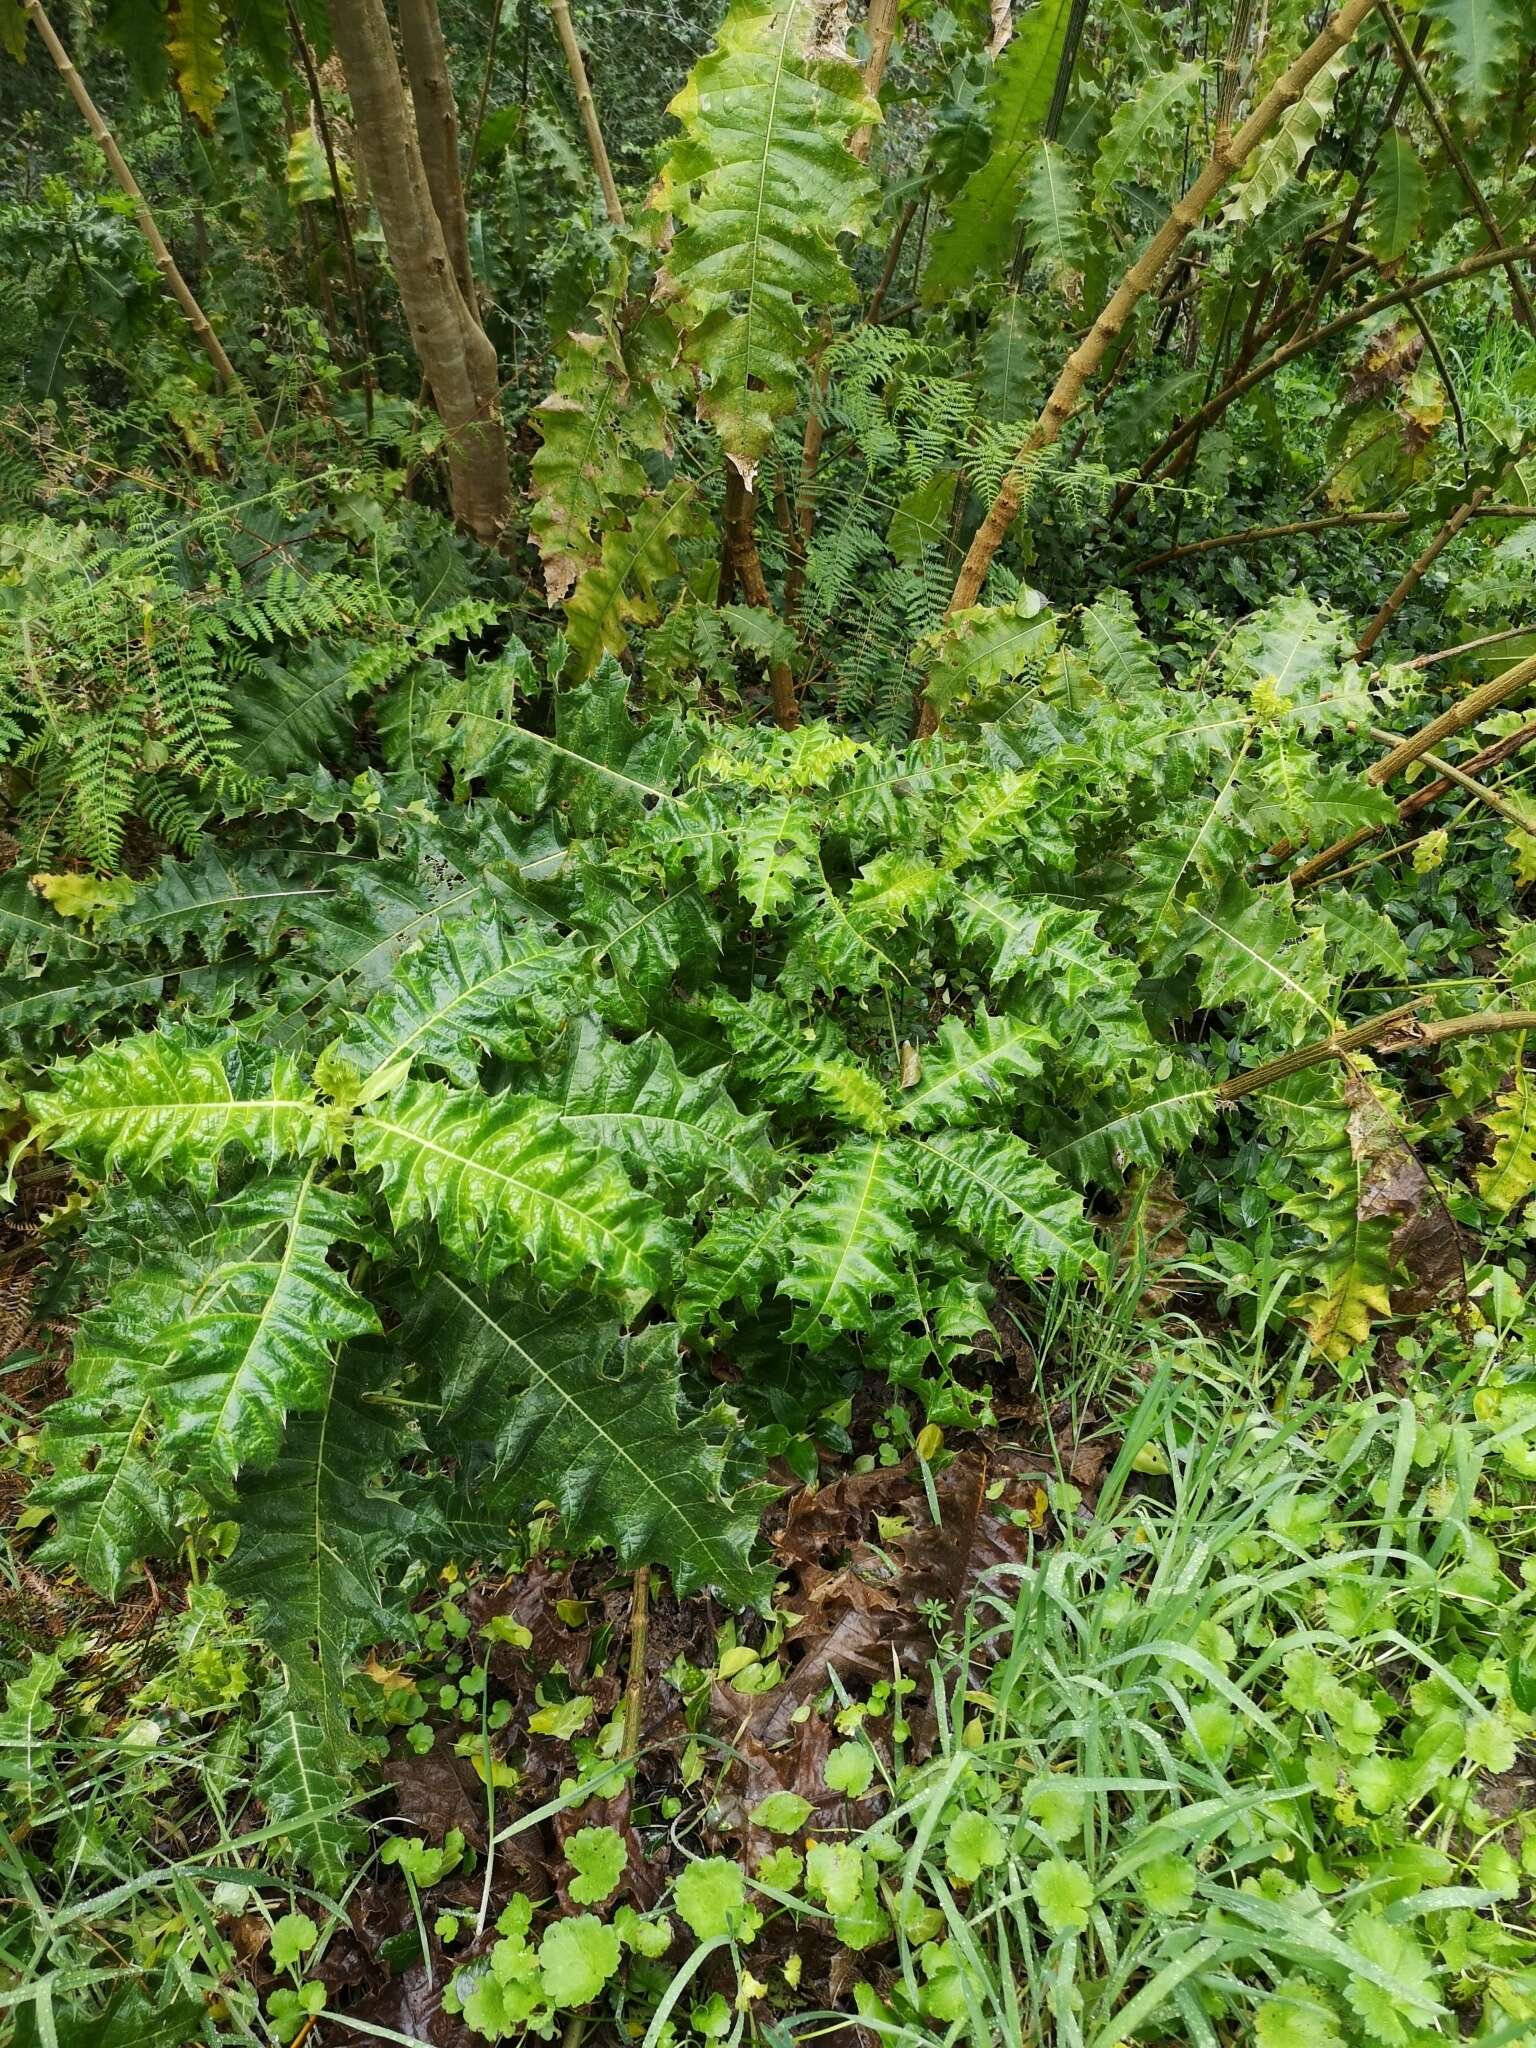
455	355
437	131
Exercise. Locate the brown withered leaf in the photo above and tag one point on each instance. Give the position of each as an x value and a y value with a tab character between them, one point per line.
865	1559
436	1792
1150	1221
1387	359
531	1598
1426	1245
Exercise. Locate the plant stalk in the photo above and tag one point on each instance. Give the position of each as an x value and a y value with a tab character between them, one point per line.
1227	158
1395	1031
165	262
586	106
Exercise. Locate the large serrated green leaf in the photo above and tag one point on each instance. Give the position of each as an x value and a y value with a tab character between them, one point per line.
196	50
1145	123
578	1415
315	1528
110	1497
683	1134
1480	38
1052	224
1399	194
302	1782
970	1076
256	1338
850	1231
473	989
168	1105
1133	1127
762	183
1278	160
995	1190
503	1179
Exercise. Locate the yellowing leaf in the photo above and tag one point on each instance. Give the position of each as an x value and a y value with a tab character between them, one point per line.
196	51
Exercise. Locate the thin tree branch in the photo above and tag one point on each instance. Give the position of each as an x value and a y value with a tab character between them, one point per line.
165	262
1299	345
892	257
1450	773
586	106
1458	163
745	568
1427	740
1397	516
338	207
1428	793
639	1632
1080	366
1419	568
1472	646
497	9
1443	369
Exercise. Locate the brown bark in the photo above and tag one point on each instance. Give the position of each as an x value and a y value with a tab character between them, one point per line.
455	355
1426	741
1143	274
745	570
437	132
586	106
165	262
1449	772
1419	568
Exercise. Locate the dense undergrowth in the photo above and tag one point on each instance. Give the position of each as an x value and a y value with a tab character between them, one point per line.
765	1254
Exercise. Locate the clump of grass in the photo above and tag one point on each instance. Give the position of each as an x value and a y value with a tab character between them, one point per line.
1232	1763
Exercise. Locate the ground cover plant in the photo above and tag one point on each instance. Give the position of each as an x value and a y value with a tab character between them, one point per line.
765	977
